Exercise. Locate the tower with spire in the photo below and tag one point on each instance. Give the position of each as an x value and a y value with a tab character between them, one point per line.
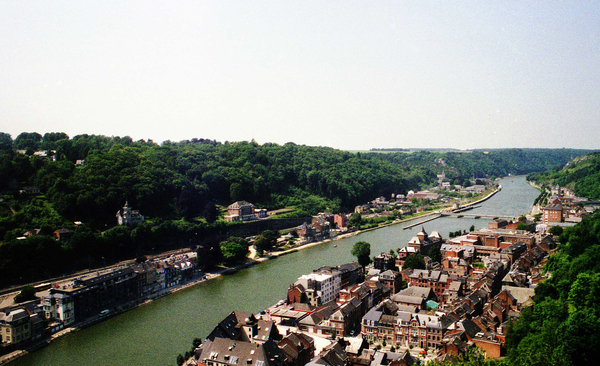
127	216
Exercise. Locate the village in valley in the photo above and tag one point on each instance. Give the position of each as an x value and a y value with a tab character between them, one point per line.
469	290
384	315
464	291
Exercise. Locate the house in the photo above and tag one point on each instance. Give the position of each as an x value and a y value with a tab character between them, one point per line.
15	327
340	221
58	307
31	190
351	273
298	349
62	234
46	154
386	322
494	238
393	359
127	216
229	352
245	327
423	242
346	318
403	253
553	213
240	211
98	291
384	261
306	232
358	351
416	297
391	280
318	321
426	195
332	355
497	224
260	213
321	286
437	281
321	227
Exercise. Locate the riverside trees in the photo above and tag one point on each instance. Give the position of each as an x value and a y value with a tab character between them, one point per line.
177	186
362	252
561	327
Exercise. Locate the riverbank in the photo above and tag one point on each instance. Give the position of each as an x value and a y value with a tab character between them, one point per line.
395	222
225	271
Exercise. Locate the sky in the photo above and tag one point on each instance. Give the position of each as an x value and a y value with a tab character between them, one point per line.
351	75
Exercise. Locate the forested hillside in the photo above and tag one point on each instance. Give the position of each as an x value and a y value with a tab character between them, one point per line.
179	187
488	163
562	327
582	175
177	180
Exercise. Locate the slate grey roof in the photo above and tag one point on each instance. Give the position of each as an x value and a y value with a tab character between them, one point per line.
239	204
373	315
405	299
423	292
230	326
240	353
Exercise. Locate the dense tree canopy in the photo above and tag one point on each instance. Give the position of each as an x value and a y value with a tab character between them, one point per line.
561	327
362	252
178	187
234	250
27	293
582	175
414	261
181	188
458	166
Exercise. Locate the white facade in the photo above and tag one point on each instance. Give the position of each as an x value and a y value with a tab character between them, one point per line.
326	285
59	307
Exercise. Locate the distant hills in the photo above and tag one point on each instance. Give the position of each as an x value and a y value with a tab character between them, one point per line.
582	175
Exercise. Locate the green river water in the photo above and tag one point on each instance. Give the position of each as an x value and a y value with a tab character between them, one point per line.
156	333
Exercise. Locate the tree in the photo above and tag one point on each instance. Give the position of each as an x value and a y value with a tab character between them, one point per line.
6	142
472	228
355	220
522	226
435	254
209	253
27	293
556	230
362	252
271	235
415	261
234	250
262	244
28	141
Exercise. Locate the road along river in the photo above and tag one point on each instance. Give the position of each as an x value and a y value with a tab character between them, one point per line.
156	333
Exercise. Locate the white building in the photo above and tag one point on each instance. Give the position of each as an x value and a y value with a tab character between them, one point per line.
326	285
127	216
59	307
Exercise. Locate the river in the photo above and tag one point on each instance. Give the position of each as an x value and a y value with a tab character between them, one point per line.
156	333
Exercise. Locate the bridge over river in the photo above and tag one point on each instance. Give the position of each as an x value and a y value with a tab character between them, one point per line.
458	213
475	216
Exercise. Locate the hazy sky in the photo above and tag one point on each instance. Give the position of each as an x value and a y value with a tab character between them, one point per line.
345	74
